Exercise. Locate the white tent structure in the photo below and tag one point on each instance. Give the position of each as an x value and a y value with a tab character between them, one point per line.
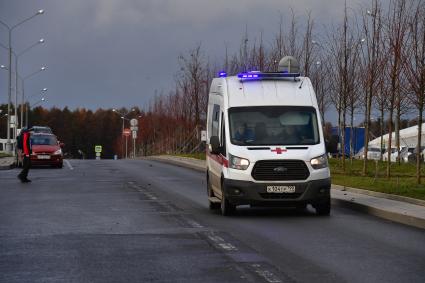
408	138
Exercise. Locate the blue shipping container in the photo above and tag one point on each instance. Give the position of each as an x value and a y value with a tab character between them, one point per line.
357	135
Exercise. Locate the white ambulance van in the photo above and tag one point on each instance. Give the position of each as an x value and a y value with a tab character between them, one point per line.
265	142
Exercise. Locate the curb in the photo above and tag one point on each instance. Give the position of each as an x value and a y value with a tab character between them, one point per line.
7	166
409	220
381	213
183	162
379	195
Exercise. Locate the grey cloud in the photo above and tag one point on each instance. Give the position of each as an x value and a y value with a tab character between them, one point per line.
112	53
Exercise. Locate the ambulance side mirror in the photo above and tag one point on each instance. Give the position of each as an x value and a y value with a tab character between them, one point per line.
214	145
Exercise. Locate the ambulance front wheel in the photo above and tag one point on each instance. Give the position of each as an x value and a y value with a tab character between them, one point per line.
212	205
323	208
226	207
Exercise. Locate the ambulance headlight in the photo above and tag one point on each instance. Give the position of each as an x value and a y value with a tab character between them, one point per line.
319	162
238	163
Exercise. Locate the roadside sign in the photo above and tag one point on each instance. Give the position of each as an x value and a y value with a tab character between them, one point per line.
98	149
204	136
126	132
134	122
12	119
134	128
97	154
134	134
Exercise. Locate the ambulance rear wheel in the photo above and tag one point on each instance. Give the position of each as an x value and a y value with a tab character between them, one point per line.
226	207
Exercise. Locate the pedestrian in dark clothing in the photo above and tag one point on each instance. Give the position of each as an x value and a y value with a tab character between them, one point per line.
25	142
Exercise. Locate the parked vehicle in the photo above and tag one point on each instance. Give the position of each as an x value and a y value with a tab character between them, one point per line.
412	157
41	130
385	156
405	152
404	155
373	153
265	143
46	150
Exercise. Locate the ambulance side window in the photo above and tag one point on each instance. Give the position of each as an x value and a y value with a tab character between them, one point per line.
223	135
215	120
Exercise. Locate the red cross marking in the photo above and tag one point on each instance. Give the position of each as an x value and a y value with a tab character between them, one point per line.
279	150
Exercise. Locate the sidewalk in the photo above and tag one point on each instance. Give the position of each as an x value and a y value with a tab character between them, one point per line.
6	163
399	209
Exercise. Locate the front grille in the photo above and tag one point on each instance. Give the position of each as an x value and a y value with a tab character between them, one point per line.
279	196
266	170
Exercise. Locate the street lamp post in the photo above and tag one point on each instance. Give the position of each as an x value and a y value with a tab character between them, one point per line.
10	29
29	106
40	41
35	104
123	117
23	93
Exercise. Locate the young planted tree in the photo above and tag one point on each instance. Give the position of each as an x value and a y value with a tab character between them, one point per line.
372	30
343	54
381	97
321	85
414	66
395	32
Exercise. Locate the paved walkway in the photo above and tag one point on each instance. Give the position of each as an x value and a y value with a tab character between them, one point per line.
394	208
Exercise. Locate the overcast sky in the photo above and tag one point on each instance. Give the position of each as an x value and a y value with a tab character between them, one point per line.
116	53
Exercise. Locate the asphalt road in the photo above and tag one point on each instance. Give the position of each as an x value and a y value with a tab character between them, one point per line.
144	221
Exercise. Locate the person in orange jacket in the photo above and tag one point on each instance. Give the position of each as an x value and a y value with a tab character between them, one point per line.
26	154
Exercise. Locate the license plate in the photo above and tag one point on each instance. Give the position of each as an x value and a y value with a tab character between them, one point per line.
281	189
43	156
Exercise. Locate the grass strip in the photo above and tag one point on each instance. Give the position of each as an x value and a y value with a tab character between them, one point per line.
402	181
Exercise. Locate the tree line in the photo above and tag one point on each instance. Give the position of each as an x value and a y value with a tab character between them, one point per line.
81	129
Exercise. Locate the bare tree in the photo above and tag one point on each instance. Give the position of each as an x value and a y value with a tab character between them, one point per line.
415	72
307	50
372	26
343	55
321	85
396	27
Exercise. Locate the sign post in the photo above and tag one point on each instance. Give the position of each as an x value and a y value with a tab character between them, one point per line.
126	133
204	136
98	151
134	128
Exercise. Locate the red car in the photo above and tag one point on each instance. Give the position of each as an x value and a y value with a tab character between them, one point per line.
46	150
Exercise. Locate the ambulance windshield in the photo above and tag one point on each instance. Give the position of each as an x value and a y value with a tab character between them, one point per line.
273	125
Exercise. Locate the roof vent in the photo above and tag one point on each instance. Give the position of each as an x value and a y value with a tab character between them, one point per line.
289	64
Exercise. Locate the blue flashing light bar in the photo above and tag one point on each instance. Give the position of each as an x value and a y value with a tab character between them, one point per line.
222	74
259	75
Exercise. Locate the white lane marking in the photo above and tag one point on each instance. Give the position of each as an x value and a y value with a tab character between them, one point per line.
221	243
141	190
68	164
150	196
194	224
266	274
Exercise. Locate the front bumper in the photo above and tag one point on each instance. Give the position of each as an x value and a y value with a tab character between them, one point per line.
246	192
54	160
